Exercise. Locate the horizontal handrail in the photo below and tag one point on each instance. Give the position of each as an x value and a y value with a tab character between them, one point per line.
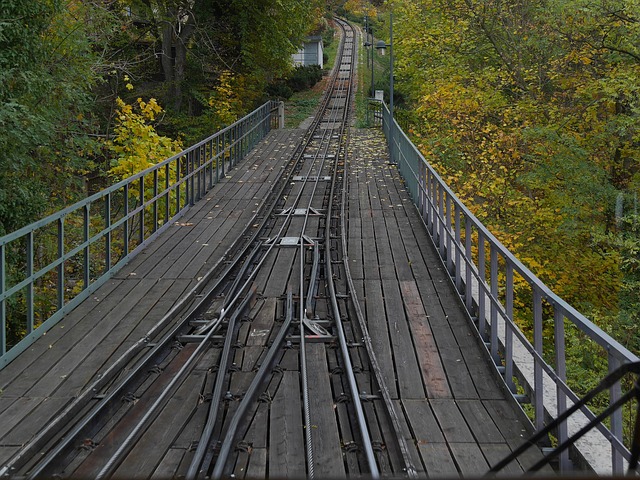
51	265
484	273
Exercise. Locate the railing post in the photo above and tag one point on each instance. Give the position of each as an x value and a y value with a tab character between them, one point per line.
420	199
127	223
224	151
508	332
3	303
441	220
192	180
29	299
537	366
167	193
86	233
561	371
198	173
60	282
210	158
428	201
178	182
458	244
449	232
615	392
142	215
493	253
468	290
107	237
155	201
482	286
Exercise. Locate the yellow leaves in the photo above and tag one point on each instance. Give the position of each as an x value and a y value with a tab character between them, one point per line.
136	143
128	85
226	99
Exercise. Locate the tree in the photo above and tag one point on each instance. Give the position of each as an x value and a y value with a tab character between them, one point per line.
45	78
530	110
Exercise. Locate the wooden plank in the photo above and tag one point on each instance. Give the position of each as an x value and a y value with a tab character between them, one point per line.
109	438
480	422
495	452
379	333
347	437
469	459
514	430
13	410
33	360
433	374
451	421
437	460
325	436
159	437
174	289
422	421
411	442
404	356
97	357
262	323
257	463
32	423
50	352
286	441
169	464
401	262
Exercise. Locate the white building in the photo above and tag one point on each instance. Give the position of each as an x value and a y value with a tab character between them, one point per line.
310	53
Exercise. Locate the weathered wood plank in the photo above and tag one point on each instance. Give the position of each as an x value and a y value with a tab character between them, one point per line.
404	356
469	459
433	374
480	422
286	441
437	460
422	421
451	421
514	431
326	439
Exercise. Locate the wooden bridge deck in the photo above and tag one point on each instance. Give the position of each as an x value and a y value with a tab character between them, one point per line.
459	419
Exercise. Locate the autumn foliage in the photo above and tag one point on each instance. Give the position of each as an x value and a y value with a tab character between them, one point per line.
531	111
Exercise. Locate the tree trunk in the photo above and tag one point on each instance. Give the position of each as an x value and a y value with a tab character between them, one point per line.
182	40
166	56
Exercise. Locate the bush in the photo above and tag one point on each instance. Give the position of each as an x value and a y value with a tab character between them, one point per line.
303	78
279	90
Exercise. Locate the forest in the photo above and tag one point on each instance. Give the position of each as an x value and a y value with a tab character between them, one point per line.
530	109
93	91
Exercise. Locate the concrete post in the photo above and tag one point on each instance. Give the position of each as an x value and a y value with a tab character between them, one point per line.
281	115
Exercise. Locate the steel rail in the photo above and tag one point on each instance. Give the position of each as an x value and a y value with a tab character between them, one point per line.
196	465
225	358
392	414
203	300
127	443
333	113
348	366
202	304
253	390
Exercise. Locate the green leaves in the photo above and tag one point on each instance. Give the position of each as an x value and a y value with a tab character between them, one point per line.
46	64
531	110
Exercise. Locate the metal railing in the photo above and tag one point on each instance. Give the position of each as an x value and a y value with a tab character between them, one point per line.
489	278
49	267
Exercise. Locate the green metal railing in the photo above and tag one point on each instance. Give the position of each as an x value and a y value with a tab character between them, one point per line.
489	279
49	267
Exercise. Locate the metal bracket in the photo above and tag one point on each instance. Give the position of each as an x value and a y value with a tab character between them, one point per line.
300	212
311	178
292	241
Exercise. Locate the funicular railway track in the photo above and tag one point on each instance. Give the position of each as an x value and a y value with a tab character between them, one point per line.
271	372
